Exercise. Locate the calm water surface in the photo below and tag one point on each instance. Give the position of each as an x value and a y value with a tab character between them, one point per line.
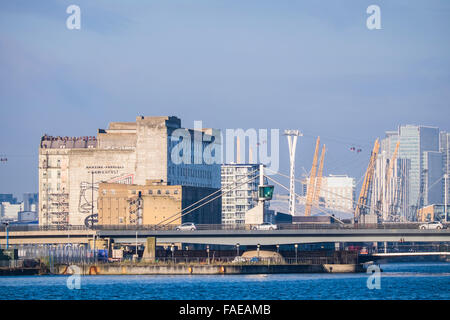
398	281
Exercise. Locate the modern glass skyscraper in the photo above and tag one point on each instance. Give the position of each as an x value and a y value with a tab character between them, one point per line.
419	144
433	182
444	147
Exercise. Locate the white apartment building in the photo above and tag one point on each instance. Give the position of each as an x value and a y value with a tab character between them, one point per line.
237	202
10	211
338	193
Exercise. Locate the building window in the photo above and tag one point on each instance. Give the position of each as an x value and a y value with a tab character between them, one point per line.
159	192
150	191
167	192
175	191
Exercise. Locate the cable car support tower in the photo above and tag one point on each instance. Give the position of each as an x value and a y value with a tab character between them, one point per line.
292	136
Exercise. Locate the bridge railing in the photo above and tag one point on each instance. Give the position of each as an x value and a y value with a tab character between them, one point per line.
224	260
281	226
20	227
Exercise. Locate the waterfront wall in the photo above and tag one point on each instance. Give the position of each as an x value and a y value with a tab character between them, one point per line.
209	269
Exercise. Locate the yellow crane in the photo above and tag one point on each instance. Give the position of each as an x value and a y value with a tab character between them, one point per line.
363	200
392	161
319	178
312	180
383	196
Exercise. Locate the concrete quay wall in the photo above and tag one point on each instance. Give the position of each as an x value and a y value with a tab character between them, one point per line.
209	269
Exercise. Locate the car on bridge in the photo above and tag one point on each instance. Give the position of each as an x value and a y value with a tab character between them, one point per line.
187	226
432	225
266	226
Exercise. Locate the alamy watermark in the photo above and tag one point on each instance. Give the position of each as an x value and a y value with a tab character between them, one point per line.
74	20
207	146
73	282
374	280
374	20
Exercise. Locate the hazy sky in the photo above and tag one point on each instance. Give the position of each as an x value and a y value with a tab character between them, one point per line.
308	65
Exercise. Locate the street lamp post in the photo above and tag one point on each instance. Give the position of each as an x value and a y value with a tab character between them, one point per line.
258	246
445	196
92	194
137	254
296	256
94	256
237	249
207	251
7	234
278	248
172	248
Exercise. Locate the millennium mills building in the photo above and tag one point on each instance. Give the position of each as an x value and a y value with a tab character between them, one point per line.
72	169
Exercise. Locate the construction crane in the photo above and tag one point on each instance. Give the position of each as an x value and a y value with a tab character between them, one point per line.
312	180
319	178
382	204
363	200
389	173
395	214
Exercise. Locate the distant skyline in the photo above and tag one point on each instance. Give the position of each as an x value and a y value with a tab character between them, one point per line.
306	65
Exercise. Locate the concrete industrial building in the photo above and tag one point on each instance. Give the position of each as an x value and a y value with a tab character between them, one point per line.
154	203
70	169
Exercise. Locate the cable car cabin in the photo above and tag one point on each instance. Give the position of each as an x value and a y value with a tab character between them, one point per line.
265	192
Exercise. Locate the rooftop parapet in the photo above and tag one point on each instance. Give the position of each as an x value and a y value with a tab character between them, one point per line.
51	142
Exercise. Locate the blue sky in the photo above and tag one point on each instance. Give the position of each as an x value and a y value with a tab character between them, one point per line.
308	65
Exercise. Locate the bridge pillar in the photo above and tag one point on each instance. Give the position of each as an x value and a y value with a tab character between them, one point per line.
150	250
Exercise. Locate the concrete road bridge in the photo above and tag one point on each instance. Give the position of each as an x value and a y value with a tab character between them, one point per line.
274	237
47	237
227	237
